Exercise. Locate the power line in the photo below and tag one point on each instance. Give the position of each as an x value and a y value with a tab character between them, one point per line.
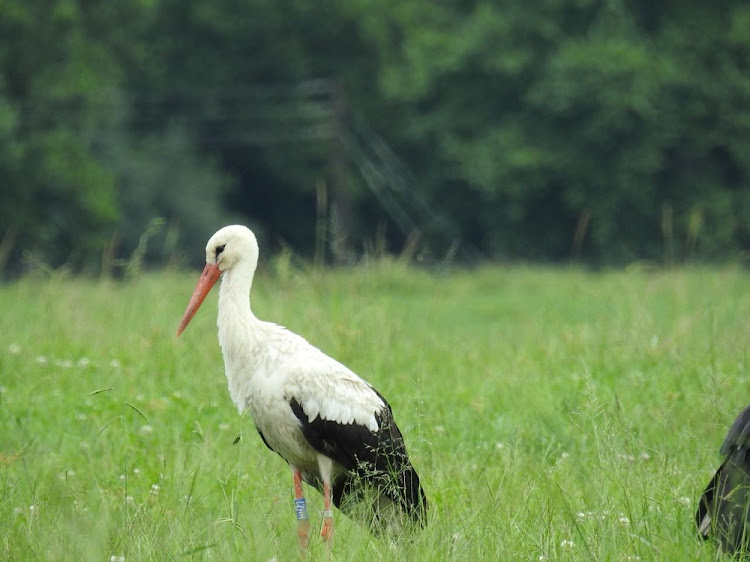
265	116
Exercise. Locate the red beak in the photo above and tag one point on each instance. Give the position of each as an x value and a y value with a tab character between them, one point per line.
210	275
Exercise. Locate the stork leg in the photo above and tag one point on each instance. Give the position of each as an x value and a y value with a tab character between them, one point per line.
326	469
300	509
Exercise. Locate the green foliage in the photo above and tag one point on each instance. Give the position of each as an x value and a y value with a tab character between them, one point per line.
607	131
72	172
164	176
549	112
550	412
55	194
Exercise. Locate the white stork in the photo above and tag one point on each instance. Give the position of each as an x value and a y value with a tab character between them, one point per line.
724	508
333	428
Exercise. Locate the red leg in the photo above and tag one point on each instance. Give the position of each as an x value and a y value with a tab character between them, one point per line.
325	464
300	509
327	531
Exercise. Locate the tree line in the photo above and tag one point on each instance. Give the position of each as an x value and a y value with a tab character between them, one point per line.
604	131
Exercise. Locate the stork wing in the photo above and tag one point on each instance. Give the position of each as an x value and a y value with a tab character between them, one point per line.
723	508
375	457
344	418
739	434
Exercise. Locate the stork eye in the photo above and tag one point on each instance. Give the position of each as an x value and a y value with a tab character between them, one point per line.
219	249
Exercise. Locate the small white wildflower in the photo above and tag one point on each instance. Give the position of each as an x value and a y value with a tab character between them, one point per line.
129	499
64	363
223	426
567	544
581	515
33	508
84	362
456	537
564	455
115	558
155	488
14	348
115	364
146	429
624	521
439	429
645	456
542	557
684	500
634	557
245	477
499	445
123	477
136	471
41	359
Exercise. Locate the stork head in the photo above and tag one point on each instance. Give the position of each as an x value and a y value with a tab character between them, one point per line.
232	246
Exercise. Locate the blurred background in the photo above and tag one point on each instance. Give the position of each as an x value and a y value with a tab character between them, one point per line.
548	130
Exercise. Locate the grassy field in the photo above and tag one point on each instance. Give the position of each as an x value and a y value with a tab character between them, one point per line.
553	414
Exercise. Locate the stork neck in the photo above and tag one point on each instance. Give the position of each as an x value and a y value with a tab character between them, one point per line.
238	332
234	293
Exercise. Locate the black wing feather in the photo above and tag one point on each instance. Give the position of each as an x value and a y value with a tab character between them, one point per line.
376	459
264	440
739	433
723	508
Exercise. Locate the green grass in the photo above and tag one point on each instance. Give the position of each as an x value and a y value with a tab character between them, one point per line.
553	413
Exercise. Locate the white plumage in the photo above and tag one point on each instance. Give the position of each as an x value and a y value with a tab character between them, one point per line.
331	426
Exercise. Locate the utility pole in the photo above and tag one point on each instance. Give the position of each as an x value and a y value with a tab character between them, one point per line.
341	196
